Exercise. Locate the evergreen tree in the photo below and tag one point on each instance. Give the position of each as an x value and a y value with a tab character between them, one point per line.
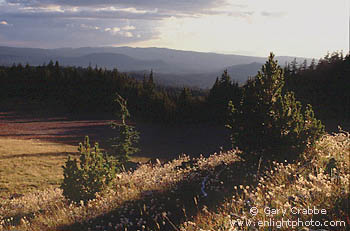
185	106
93	174
267	123
223	90
124	144
303	66
312	65
294	66
149	84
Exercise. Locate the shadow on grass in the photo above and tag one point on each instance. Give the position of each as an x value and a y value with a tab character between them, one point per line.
167	210
48	154
156	140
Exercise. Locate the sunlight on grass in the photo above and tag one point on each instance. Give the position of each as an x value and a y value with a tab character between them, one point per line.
154	196
310	183
27	165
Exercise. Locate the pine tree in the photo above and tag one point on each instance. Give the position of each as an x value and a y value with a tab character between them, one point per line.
124	144
294	66
267	123
93	174
312	65
223	90
303	66
185	106
149	85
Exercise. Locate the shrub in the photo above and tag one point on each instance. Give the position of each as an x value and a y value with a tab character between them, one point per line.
92	174
269	124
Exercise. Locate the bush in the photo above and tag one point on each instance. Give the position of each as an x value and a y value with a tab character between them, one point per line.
94	173
269	124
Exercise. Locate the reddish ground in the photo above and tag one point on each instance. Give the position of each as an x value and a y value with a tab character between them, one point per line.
155	140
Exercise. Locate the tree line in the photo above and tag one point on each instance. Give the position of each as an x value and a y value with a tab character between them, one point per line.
92	90
324	85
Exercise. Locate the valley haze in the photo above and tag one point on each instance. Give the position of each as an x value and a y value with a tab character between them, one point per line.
171	67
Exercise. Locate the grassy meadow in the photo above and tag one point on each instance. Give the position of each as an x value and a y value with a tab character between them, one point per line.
198	194
33	147
29	165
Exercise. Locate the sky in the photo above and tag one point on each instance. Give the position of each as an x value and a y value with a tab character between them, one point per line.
303	28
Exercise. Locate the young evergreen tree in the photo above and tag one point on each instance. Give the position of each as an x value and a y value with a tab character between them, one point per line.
124	144
267	123
184	110
312	65
294	67
149	84
223	90
93	174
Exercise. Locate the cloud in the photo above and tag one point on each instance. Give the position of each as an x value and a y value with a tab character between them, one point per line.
102	22
127	34
89	27
145	9
129	28
79	32
113	30
121	31
75	13
241	14
276	14
169	5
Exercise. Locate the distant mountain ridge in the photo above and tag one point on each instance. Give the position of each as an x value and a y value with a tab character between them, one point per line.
179	67
241	72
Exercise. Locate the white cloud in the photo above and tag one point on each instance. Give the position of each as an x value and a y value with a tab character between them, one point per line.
84	26
121	31
133	10
273	14
129	28
113	30
127	34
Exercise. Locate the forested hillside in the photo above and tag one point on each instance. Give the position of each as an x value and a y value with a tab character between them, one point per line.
173	67
325	85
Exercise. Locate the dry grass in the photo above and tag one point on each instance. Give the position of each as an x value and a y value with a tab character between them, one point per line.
169	197
27	165
48	210
31	165
310	183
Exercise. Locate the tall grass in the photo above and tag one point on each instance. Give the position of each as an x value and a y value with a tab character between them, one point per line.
171	196
320	180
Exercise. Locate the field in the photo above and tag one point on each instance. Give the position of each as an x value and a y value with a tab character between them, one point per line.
33	147
212	194
187	193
